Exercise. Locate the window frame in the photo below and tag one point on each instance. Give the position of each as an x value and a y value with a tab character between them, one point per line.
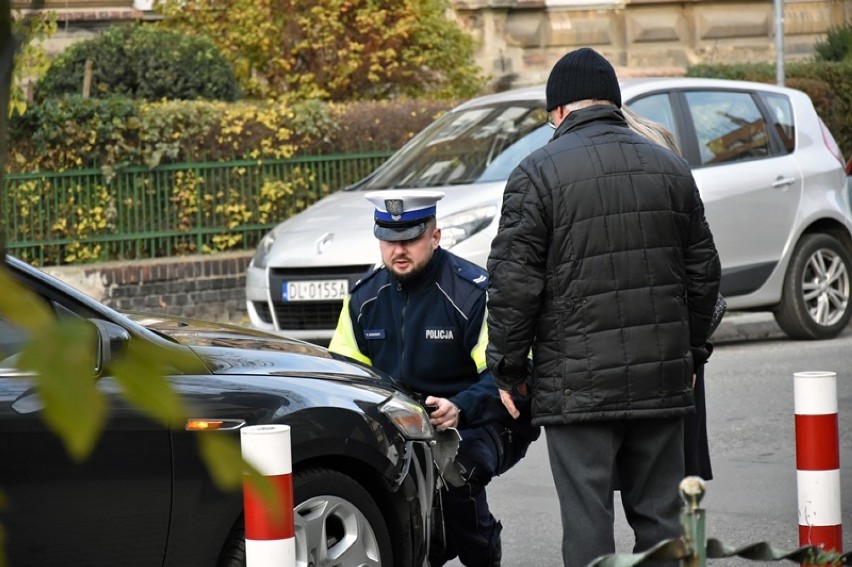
689	137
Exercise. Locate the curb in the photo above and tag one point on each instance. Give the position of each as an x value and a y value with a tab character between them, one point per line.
742	325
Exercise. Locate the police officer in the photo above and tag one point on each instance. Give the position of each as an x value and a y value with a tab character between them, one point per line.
420	318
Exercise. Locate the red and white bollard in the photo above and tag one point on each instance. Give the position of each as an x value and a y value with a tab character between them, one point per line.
818	460
270	537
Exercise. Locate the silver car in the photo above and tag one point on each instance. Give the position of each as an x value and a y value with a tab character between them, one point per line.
769	171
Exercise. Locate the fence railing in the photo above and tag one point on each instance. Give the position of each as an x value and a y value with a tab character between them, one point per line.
136	212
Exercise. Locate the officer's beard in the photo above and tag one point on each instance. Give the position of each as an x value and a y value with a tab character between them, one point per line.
410	274
406	276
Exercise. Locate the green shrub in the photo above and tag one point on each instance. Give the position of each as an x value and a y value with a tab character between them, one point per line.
142	62
73	132
336	50
837	45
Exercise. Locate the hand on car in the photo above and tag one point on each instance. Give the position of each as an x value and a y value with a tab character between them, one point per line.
445	414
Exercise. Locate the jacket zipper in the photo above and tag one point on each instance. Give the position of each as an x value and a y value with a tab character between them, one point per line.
402	333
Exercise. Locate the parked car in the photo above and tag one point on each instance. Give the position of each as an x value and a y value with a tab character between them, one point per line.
769	171
362	464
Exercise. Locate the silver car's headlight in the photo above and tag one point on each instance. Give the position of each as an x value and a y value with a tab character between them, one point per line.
461	226
408	416
259	260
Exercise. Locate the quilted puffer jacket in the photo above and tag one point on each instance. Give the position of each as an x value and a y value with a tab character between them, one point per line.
605	268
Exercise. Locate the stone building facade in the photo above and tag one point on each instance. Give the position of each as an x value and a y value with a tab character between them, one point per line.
520	40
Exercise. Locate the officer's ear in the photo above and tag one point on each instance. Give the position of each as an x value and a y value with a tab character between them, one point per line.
436	238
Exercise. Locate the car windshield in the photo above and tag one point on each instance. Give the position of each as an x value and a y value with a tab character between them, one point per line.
476	145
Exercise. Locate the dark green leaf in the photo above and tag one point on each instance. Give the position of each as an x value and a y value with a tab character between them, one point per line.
20	306
229	471
140	372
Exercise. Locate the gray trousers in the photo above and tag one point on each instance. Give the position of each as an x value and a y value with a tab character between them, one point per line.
590	460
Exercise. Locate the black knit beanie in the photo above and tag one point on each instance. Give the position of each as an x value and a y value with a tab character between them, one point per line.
580	75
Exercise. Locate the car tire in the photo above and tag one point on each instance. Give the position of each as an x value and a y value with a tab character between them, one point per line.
234	552
337	523
815	302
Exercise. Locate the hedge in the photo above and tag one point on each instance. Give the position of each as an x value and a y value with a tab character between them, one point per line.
73	132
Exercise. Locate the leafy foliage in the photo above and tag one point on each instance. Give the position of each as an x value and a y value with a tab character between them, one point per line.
31	61
837	45
81	219
73	132
142	62
336	49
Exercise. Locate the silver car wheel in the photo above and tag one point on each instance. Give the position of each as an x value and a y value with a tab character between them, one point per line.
332	531
825	287
815	302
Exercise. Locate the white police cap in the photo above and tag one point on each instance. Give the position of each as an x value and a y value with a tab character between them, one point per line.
401	214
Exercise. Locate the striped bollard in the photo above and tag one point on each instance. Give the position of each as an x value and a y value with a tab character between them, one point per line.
818	460
270	539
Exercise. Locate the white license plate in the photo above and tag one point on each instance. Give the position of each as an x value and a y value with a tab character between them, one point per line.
314	290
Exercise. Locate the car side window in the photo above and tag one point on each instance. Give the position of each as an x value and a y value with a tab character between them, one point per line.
728	126
658	107
782	113
13	338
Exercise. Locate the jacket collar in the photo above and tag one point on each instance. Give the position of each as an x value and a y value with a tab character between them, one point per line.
598	113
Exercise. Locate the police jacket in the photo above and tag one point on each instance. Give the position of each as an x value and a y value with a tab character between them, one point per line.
427	331
605	266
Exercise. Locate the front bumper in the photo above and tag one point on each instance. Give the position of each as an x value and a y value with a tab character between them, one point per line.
421	473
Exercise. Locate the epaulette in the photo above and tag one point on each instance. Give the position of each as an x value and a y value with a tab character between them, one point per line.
470	272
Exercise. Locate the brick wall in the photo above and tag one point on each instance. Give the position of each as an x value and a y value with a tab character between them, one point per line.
210	287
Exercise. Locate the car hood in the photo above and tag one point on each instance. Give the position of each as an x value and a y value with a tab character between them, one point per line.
234	350
338	230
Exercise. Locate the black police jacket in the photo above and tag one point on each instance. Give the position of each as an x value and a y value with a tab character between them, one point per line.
428	332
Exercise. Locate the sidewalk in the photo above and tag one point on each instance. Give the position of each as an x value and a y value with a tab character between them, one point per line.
743	325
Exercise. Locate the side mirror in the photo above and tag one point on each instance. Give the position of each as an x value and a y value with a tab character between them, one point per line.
111	341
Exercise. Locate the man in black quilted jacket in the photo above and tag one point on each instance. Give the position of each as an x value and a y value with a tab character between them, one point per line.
605	270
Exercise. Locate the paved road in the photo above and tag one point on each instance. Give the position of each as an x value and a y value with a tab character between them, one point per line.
752	443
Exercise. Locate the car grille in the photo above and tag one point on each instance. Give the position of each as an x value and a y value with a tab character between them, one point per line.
263	311
313	316
310	315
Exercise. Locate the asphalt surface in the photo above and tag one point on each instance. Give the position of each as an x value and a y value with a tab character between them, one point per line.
753	495
741	325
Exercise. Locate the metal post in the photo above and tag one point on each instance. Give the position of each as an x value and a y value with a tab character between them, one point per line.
693	521
779	42
818	460
270	537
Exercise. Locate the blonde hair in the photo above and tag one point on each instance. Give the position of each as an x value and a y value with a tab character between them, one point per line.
652	130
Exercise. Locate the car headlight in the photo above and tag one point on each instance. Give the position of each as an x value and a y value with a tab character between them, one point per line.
408	416
461	226
259	260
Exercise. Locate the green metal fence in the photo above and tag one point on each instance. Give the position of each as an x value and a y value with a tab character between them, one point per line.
94	215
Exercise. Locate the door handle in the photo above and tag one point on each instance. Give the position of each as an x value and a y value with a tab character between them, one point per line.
783	182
